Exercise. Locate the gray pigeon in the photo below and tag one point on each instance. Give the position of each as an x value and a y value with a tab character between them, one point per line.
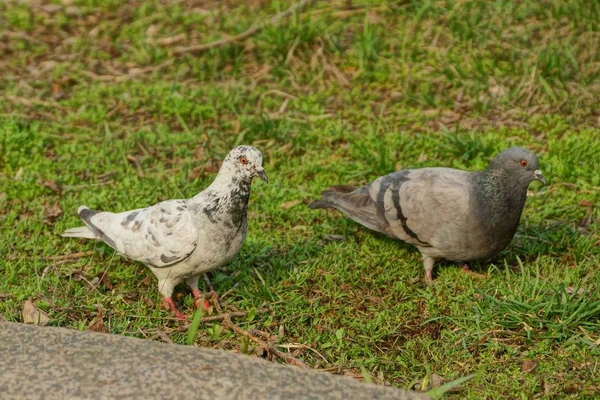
446	213
183	239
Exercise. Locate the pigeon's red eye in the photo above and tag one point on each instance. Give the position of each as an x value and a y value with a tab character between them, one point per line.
524	163
244	160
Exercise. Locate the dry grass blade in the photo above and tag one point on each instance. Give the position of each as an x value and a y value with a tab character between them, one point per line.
227	323
244	35
73	256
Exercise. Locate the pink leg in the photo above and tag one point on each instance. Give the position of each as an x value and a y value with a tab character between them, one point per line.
198	299
178	315
429	277
428	262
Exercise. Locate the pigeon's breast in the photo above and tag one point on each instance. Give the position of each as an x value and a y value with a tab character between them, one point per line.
470	240
216	247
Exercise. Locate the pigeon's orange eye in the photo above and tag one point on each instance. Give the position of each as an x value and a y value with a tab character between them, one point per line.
244	160
524	163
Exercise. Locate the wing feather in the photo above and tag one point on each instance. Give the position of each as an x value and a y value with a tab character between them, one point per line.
160	235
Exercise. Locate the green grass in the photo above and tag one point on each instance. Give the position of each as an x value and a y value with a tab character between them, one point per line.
370	89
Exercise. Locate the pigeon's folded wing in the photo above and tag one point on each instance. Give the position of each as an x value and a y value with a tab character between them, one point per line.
422	206
160	236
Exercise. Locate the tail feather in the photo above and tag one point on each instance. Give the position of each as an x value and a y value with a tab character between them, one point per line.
80	231
343	189
329	195
355	203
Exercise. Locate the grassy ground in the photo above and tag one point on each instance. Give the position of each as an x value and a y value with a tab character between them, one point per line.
99	109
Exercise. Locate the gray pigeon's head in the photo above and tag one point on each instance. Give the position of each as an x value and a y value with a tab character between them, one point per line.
522	165
246	162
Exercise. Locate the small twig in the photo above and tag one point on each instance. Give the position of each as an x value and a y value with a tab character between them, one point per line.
146	336
220	317
82	278
290	53
284	356
357	9
228	292
34	101
302	346
213	318
46	270
138	166
244	35
163	336
72	256
19	36
133	72
230	325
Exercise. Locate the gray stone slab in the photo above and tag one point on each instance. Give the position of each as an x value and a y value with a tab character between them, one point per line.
57	363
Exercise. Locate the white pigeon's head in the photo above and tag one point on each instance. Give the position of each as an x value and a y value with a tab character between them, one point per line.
245	162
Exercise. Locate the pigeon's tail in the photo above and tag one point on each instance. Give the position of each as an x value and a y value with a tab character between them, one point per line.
87	231
80	231
354	202
328	196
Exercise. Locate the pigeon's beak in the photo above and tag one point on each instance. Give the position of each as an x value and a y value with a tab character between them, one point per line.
539	177
262	174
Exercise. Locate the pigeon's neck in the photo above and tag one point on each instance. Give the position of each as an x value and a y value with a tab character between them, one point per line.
502	200
225	200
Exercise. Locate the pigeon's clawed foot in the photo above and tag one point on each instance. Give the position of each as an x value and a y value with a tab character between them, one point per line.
465	268
174	310
429	277
199	299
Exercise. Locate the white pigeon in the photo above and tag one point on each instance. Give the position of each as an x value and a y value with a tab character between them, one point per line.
183	239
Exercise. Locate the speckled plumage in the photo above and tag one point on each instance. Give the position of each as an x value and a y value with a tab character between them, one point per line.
446	213
182	239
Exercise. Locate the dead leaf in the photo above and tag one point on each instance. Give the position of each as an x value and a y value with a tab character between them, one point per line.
97	324
53	212
138	166
528	366
33	315
148	301
199	153
572	290
52	185
152	31
212	166
165	338
195	173
585	203
105	281
290	204
147	281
